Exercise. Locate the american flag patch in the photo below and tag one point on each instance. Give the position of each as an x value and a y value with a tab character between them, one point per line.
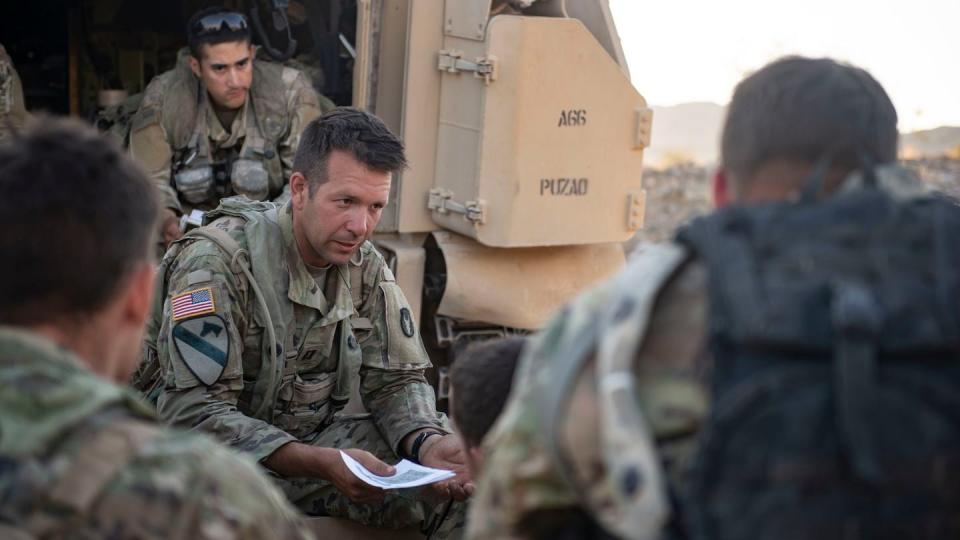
192	303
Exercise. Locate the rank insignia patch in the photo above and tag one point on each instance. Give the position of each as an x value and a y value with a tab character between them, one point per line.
406	322
193	303
204	346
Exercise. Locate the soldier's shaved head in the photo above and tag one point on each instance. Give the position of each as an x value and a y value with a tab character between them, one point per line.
799	110
77	216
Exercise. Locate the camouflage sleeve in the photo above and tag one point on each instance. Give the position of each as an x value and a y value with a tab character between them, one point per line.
521	486
185	486
304	105
150	148
392	383
202	336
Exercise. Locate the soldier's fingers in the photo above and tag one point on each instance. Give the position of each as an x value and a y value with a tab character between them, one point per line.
458	493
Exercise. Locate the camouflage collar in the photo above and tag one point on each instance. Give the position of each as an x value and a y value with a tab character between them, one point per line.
17	345
303	288
49	389
219	136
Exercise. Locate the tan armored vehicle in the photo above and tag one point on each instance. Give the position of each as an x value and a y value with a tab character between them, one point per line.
525	139
524	135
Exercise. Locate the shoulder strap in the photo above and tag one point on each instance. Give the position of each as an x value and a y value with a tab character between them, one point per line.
240	260
628	446
98	462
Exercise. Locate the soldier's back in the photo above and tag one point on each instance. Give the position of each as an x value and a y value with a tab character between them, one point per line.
81	458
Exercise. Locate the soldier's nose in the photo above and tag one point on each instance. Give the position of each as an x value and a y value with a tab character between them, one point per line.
358	225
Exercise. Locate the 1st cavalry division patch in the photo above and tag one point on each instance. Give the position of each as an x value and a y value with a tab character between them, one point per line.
204	346
193	304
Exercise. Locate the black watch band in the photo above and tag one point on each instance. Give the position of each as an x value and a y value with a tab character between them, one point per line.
418	442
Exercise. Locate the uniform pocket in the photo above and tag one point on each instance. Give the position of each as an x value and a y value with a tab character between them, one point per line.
316	349
402	340
307	406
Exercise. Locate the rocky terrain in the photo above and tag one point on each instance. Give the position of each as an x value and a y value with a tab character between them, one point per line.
678	193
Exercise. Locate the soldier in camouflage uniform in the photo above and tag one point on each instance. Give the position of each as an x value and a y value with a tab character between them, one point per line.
220	123
267	318
80	456
13	111
603	433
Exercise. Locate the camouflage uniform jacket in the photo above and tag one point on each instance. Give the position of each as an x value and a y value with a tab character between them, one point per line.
82	458
176	128
326	342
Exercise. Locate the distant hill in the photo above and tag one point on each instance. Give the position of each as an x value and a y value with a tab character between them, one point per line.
931	143
691	132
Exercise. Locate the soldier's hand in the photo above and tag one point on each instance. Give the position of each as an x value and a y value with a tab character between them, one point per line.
347	483
169	226
447	453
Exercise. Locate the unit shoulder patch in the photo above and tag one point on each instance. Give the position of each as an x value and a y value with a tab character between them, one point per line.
204	346
192	304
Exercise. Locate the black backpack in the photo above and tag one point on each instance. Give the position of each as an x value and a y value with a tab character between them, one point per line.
835	336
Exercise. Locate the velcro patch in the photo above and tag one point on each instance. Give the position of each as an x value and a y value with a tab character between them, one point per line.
193	304
204	346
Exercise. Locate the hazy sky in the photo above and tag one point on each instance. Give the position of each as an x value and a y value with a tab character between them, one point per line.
696	50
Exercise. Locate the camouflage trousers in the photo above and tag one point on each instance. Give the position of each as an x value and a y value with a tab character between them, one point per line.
400	509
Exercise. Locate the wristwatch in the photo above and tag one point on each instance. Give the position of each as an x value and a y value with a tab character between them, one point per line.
418	442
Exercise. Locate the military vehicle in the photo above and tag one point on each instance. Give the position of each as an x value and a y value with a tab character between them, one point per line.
524	134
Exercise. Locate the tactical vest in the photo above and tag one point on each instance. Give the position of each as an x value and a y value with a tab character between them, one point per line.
179	98
256	266
48	486
835	336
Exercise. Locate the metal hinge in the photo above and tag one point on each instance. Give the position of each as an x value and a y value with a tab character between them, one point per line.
636	208
441	201
642	130
453	62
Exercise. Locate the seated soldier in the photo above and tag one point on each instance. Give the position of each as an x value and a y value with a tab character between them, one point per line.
267	318
480	382
80	456
221	122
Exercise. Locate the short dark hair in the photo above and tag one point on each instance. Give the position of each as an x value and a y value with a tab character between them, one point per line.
481	379
196	40
76	217
803	109
351	130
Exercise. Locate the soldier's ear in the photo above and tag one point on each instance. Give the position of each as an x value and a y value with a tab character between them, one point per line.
194	65
721	188
299	190
138	294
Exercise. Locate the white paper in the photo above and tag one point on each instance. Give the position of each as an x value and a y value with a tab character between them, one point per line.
196	217
408	474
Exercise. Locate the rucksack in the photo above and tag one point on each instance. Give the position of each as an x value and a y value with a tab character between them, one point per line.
835	386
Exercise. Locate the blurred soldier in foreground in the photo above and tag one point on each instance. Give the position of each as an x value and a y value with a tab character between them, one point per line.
786	369
267	318
220	123
13	112
80	457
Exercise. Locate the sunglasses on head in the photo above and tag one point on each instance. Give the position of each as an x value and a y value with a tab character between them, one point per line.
215	23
